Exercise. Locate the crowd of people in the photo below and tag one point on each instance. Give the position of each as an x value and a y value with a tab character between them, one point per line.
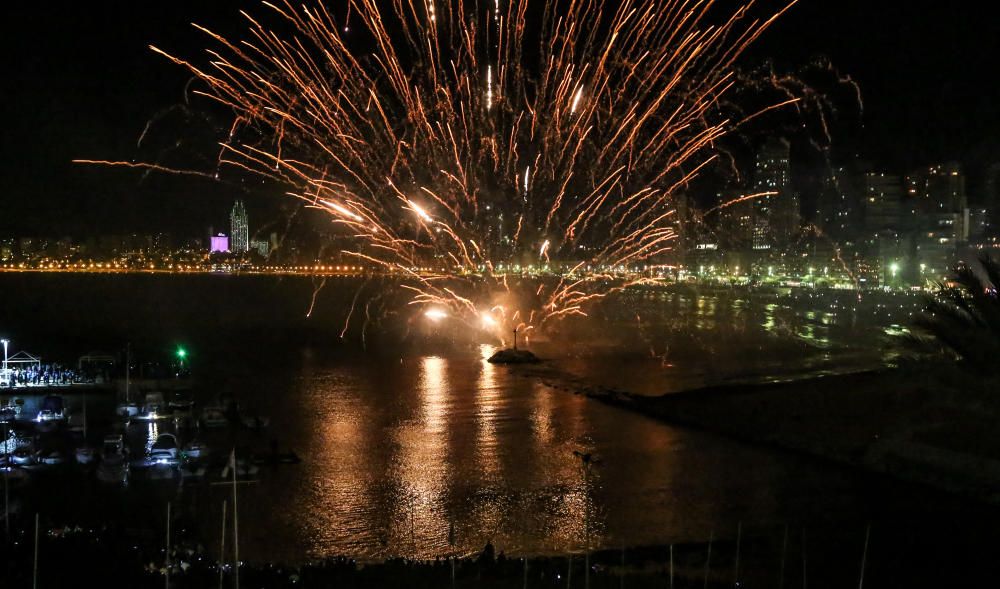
45	375
105	557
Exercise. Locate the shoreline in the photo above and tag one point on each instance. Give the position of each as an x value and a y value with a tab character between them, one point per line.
885	422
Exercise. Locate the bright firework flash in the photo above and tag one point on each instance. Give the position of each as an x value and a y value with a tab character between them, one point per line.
514	170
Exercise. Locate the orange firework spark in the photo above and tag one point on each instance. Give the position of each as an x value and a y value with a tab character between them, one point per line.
146	166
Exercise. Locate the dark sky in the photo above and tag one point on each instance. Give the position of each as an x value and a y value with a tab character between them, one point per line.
79	82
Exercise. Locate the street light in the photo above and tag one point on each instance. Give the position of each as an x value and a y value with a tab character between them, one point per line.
5	342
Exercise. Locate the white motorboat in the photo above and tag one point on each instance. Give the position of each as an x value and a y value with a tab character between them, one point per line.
164	449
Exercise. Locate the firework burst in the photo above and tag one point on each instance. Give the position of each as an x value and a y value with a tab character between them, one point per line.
460	143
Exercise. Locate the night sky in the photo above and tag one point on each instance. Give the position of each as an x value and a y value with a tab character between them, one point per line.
80	82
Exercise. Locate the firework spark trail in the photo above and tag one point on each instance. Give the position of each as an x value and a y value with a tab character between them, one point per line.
440	141
737	201
315	294
146	166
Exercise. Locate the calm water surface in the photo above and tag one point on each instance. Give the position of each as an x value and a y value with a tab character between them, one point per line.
399	446
398	450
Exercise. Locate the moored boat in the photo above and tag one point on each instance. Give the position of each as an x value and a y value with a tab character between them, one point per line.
195	450
51	457
164	449
53	409
23	456
127	410
213	417
85	454
154	407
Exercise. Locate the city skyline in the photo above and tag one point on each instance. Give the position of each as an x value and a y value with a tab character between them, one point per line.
875	228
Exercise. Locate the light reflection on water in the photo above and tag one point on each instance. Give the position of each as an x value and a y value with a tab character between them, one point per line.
397	451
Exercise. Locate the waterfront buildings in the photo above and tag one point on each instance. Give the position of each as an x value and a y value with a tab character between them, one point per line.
239	229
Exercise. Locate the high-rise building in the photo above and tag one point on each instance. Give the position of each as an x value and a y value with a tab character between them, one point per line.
736	220
979	224
991	199
776	216
937	244
239	236
939	189
840	210
261	247
944	219
883	194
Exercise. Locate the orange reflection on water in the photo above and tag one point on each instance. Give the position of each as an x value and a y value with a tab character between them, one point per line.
343	492
487	399
420	517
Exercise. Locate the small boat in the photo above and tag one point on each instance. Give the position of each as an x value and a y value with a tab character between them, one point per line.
181	401
23	456
51	457
114	446
127	410
53	409
154	407
213	417
86	454
195	450
114	468
164	449
182	408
